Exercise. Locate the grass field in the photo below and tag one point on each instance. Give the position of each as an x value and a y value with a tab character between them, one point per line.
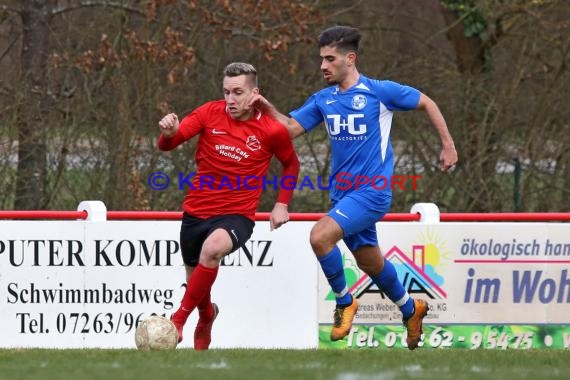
437	364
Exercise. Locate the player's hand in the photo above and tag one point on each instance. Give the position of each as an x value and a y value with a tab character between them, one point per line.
279	216
447	158
169	125
259	102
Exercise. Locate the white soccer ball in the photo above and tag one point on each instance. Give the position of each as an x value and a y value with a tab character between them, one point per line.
156	333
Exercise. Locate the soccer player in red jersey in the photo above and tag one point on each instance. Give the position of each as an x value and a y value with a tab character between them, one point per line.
235	145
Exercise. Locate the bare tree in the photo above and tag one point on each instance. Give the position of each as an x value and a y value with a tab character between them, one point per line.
80	117
33	105
33	110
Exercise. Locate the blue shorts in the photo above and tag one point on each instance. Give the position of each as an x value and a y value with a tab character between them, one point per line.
357	213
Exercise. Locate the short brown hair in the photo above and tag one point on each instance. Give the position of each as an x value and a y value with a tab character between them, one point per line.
236	69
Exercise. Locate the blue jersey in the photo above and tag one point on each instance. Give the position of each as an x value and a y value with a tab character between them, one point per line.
358	122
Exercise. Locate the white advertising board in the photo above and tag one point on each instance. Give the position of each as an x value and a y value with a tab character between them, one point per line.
491	273
76	284
477	275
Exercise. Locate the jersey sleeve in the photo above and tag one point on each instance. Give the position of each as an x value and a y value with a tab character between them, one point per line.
282	147
189	127
308	115
398	97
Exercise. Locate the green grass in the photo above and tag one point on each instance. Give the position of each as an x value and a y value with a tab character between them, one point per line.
284	364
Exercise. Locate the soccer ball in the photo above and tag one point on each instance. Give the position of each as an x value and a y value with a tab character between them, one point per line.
156	333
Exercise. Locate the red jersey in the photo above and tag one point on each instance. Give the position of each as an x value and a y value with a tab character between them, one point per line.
232	160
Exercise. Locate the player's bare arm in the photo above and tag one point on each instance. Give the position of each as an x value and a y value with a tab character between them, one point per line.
448	156
169	125
293	127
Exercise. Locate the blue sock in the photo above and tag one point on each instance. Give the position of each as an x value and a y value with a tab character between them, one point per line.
331	263
388	282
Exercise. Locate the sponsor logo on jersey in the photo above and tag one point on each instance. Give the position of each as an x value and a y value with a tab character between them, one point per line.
351	125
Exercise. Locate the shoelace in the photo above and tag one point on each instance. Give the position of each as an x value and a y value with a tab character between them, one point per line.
337	317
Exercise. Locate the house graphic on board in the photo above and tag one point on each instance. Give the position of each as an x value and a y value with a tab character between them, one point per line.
413	272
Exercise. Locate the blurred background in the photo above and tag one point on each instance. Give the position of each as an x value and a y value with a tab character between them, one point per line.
83	85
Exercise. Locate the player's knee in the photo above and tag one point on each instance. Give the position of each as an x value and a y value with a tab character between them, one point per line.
315	242
320	241
210	257
215	247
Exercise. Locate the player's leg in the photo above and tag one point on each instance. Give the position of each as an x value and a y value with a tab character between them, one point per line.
217	244
346	217
364	246
197	294
382	272
207	310
324	236
193	232
204	307
238	230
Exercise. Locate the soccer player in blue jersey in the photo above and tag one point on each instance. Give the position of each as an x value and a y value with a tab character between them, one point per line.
357	112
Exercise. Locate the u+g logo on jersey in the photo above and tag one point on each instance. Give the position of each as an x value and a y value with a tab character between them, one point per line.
336	124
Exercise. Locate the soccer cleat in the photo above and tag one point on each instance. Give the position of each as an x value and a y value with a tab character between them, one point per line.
179	327
414	323
343	320
203	332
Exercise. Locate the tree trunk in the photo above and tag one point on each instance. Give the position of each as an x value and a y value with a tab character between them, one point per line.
469	51
32	112
478	152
